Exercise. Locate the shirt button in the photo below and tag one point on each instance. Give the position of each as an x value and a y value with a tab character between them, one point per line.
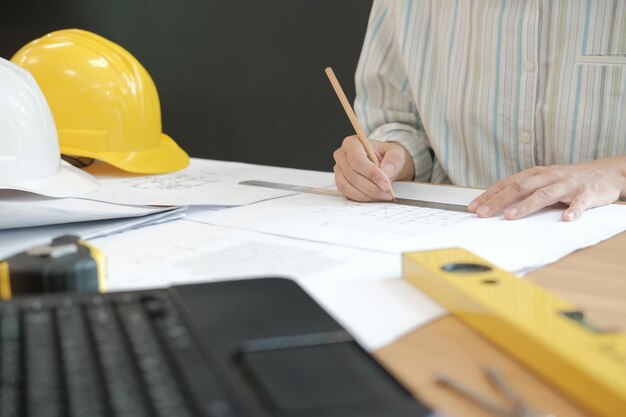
528	66
525	138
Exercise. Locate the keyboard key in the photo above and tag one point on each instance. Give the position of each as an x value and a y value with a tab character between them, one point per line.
84	387
43	383
10	359
200	378
161	386
122	383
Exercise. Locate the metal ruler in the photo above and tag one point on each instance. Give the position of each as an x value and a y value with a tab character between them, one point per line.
545	332
335	193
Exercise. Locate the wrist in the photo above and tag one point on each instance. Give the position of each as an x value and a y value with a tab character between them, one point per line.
407	170
617	167
622	172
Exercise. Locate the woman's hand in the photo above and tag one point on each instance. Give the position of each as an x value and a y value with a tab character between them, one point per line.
360	179
581	186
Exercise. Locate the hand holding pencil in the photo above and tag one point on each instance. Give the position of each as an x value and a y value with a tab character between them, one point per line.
364	169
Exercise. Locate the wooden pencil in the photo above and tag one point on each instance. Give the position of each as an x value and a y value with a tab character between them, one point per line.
360	133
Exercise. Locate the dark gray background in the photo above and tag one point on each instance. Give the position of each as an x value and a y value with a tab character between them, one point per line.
238	79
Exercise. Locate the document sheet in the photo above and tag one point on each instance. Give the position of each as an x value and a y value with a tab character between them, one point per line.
203	182
13	241
20	209
386	227
361	289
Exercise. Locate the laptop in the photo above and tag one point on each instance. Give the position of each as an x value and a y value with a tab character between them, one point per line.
258	347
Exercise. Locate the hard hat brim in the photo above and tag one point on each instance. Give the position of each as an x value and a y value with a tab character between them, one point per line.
167	157
69	181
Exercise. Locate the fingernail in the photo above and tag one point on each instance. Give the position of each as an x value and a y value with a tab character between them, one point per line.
483	211
472	206
387	197
383	185
569	215
389	169
510	212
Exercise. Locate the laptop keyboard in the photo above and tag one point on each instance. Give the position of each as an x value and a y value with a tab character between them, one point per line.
121	355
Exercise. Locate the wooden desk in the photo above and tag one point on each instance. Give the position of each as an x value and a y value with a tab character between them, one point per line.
593	278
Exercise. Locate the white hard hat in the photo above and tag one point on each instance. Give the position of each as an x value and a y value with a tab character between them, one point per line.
29	148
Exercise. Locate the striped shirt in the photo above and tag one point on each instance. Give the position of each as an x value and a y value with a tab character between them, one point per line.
478	90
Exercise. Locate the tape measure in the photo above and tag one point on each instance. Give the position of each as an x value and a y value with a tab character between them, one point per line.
335	193
543	331
67	264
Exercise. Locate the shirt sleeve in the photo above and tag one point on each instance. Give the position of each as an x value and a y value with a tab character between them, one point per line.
383	101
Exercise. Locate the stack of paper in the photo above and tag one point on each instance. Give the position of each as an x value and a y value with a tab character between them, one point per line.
20	239
20	209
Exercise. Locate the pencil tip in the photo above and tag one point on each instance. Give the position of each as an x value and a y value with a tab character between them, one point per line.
393	195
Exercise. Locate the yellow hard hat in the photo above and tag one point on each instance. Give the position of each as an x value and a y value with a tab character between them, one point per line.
104	102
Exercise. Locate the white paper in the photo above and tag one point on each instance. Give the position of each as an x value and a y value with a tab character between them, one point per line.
203	182
13	241
20	209
513	245
375	312
361	289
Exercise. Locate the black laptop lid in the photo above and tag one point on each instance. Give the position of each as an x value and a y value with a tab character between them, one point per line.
285	356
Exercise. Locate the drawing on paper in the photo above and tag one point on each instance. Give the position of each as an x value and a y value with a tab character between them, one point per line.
176	181
253	258
396	214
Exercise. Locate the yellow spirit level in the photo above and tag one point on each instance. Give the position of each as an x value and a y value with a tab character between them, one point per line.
67	264
543	331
